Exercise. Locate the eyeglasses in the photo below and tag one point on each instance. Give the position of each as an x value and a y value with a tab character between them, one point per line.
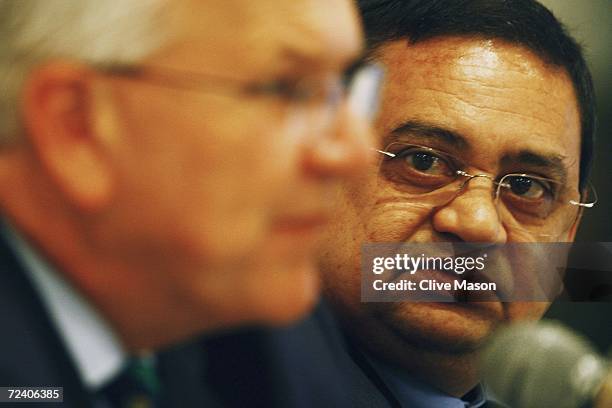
359	86
429	178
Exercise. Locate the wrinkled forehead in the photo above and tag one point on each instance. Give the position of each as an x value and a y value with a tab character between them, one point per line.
498	98
263	35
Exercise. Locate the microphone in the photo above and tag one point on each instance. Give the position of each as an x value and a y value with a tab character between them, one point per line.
545	365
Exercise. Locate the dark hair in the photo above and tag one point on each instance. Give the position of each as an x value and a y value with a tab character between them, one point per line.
523	22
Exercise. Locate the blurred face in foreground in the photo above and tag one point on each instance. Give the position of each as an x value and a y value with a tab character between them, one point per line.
199	178
496	108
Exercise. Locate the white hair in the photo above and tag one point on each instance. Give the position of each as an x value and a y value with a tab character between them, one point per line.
92	31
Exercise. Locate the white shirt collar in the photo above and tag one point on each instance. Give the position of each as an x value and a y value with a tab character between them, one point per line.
92	343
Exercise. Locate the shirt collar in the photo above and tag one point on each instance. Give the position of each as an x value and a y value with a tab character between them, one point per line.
413	393
91	342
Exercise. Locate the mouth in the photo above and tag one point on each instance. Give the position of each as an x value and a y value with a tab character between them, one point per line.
480	303
448	287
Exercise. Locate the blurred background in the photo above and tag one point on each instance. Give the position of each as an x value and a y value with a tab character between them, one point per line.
590	22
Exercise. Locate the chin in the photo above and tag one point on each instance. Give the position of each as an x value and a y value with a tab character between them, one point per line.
281	295
285	313
435	327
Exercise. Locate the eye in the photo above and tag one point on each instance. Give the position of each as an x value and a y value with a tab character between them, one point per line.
527	187
417	169
291	90
425	162
529	196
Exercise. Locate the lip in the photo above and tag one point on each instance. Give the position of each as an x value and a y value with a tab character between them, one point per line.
460	297
487	303
489	309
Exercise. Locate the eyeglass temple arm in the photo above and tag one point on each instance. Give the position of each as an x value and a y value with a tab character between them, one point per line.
589	204
586	205
382	152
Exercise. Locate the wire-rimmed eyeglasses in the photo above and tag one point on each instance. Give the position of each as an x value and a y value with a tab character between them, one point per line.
430	178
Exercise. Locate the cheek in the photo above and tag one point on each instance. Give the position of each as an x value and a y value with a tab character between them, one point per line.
394	221
379	213
215	186
247	160
340	249
227	145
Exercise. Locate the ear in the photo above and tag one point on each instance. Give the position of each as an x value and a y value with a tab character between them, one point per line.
58	108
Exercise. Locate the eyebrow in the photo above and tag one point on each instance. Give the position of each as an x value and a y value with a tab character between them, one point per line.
427	132
551	163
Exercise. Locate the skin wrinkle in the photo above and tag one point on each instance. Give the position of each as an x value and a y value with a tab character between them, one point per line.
508	89
493	70
485	86
484	107
512	65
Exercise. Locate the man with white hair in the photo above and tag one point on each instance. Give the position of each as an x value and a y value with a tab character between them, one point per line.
147	152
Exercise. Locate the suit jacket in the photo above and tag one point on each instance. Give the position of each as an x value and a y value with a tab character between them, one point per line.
33	354
288	367
368	389
294	366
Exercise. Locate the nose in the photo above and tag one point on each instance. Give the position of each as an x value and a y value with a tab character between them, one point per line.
342	150
471	216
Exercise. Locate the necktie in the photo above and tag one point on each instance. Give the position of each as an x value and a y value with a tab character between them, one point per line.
136	386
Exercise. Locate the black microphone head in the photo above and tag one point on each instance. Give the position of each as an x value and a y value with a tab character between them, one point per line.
541	365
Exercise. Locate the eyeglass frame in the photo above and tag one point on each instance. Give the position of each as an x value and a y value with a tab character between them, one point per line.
297	93
462	173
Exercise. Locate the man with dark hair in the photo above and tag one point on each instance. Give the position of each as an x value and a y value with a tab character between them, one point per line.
492	102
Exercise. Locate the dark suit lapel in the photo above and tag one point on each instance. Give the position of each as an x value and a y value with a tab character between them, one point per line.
368	387
31	352
303	366
295	366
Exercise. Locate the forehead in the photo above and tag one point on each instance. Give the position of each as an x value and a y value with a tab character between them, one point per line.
245	37
500	97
